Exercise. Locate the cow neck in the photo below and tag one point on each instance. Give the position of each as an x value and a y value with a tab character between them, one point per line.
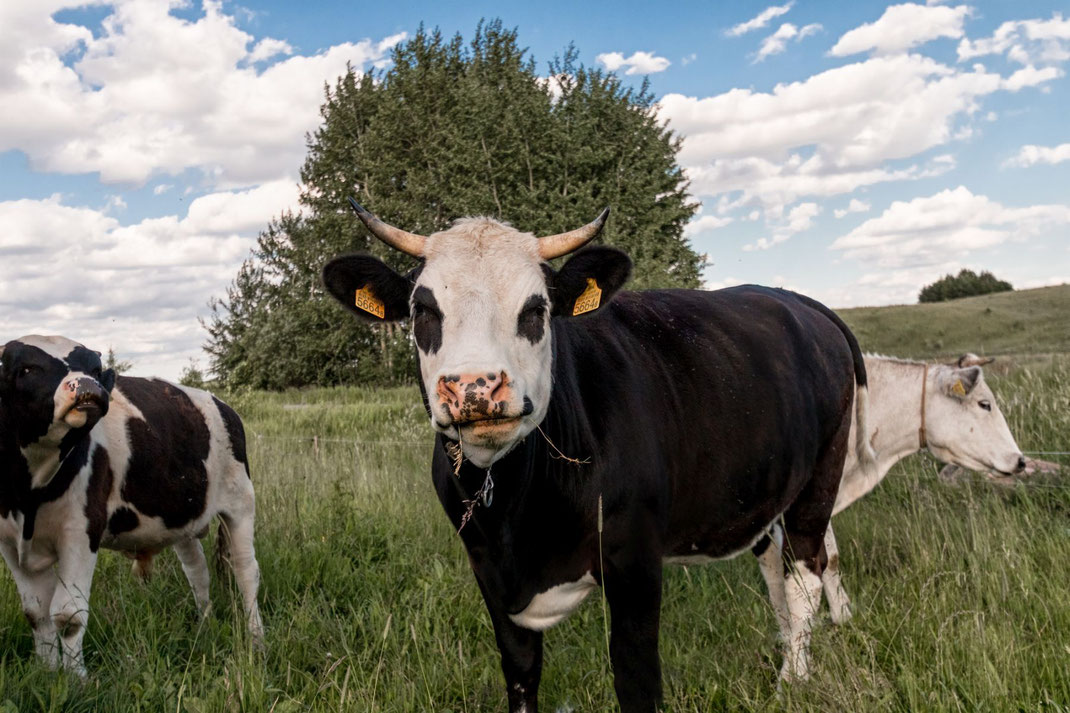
902	424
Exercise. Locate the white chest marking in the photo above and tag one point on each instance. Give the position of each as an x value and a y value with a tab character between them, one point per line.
549	607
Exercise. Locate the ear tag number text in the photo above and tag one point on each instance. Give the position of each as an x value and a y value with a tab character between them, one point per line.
368	302
589	300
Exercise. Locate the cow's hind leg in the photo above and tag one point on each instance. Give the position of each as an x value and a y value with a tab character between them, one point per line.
195	566
770	553
36	590
839	603
242	555
805	525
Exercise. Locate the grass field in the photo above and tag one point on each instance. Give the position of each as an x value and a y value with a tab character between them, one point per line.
961	594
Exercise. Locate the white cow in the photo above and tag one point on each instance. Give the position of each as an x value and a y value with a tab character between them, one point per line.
945	408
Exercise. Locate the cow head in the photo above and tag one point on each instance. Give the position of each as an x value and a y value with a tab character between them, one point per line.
481	305
964	425
50	386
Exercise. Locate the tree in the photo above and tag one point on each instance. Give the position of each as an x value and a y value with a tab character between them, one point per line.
966	284
192	376
449	130
120	367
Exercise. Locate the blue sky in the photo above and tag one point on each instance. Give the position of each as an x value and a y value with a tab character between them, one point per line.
851	151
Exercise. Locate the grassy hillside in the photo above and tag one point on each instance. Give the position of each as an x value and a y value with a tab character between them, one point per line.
1026	321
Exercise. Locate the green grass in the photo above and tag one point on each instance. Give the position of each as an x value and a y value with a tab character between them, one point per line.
1025	321
961	594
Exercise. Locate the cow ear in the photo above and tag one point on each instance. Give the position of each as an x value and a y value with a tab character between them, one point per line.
958	383
588	280
971	359
368	287
107	380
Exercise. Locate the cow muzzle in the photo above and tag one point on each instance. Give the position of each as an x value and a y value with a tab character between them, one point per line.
85	400
484	404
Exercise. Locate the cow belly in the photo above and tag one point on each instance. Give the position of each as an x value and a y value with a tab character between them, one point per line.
697	556
550	607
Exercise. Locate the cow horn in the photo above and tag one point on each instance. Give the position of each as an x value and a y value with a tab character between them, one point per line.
553	246
408	243
971	359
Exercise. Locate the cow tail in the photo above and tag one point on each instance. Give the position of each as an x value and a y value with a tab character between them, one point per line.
222	548
864	453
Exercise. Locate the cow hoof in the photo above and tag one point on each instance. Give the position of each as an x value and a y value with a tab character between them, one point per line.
840	615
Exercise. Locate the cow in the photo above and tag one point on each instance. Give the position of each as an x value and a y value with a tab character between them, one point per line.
91	460
947	409
586	434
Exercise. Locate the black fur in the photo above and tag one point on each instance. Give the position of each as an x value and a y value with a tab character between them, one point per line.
344	275
96	498
608	266
426	320
531	322
235	432
123	520
166	476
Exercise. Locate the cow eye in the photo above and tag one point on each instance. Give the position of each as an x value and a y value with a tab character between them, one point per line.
26	370
987	406
534	313
423	311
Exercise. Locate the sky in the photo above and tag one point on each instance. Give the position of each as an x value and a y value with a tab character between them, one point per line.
851	151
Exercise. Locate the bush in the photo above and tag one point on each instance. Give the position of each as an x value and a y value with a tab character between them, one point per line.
965	284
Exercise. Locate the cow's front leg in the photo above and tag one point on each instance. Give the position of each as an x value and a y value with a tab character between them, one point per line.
35	590
634	597
70	603
521	652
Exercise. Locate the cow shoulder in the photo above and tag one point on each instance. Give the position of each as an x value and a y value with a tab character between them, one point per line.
169	441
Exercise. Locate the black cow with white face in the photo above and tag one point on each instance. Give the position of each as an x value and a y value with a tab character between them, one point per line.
88	460
705	423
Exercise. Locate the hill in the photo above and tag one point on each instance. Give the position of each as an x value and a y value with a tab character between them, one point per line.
1025	321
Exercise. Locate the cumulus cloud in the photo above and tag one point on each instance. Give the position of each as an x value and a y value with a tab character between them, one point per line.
830	133
799	218
138	100
760	20
705	223
1024	41
77	271
855	206
901	28
778	41
946	226
1031	155
638	63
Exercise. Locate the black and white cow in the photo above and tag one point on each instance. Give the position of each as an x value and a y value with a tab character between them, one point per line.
706	423
88	460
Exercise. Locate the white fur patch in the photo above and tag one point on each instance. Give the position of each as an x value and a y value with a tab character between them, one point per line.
553	605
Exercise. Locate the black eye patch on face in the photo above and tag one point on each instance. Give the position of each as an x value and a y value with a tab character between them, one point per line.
426	320
531	322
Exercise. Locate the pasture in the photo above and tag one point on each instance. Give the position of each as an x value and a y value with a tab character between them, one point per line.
961	594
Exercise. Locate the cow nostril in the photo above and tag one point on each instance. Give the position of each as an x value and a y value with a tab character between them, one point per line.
1021	463
501	388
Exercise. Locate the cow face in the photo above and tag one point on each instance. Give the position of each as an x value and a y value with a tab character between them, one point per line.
50	386
964	425
481	307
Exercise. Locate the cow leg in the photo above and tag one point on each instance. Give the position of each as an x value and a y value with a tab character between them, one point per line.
70	603
634	597
246	571
839	603
805	525
35	590
770	553
195	566
521	653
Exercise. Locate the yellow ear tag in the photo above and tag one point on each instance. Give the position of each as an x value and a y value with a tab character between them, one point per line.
959	389
368	302
589	300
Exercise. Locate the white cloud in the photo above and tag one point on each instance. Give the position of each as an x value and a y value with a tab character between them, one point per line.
78	271
721	284
688	59
1024	41
946	226
800	218
776	42
761	20
705	223
162	188
902	27
830	133
855	206
638	63
157	94
1030	76
1031	155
